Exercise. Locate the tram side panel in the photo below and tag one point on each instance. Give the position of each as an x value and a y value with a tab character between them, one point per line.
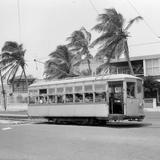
38	110
78	110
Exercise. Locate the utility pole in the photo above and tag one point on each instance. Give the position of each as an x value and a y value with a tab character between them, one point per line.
3	92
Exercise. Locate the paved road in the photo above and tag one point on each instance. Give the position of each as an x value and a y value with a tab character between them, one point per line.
43	141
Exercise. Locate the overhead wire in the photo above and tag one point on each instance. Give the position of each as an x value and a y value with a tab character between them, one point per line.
19	20
147	24
93	6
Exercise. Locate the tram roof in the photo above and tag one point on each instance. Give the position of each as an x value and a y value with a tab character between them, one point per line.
83	79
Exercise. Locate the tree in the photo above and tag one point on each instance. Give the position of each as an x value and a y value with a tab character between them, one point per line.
113	39
12	59
150	87
79	42
62	64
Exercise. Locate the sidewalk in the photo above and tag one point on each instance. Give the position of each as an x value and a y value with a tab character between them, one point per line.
18	111
14	115
157	109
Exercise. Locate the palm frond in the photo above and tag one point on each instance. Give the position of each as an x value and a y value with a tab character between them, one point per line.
12	74
12	59
102	39
138	18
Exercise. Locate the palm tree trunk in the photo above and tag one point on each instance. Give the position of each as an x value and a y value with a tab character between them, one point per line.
3	92
25	77
127	57
109	58
89	63
89	66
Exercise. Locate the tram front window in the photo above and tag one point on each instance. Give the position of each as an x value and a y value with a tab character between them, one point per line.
130	89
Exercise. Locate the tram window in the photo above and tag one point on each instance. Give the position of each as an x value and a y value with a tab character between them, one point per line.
43	91
60	90
139	86
43	99
78	88
100	87
51	99
60	98
88	88
69	89
78	98
51	90
130	89
32	100
37	100
100	97
33	92
69	98
88	97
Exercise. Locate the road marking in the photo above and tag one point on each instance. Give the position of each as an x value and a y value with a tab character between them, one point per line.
6	128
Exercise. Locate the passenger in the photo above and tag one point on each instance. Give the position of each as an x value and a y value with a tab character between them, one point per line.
111	102
40	101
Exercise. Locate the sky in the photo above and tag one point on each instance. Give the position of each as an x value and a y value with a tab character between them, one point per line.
42	25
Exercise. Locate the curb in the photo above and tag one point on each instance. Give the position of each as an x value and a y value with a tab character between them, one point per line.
14	116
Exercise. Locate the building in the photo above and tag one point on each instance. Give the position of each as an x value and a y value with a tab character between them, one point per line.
143	66
16	93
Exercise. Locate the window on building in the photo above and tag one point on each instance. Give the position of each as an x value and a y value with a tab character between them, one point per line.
152	67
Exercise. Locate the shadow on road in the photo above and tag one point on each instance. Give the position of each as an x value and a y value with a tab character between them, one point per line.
128	125
110	124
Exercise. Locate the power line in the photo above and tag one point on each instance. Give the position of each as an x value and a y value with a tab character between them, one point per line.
93	6
19	20
147	24
35	60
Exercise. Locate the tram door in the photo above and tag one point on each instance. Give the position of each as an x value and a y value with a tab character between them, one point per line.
116	104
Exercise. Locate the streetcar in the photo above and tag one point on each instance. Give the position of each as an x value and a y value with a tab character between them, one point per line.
92	99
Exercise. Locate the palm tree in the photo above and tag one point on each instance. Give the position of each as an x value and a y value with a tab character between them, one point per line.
62	64
12	59
79	42
113	39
